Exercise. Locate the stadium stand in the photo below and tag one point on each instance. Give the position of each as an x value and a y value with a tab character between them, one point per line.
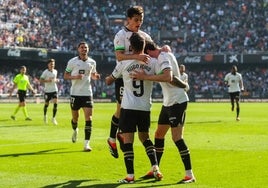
188	26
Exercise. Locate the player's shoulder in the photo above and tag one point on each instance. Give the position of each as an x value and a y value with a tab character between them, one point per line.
145	35
74	59
121	32
91	60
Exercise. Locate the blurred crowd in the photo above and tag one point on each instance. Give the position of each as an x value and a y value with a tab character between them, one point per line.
225	26
205	82
201	25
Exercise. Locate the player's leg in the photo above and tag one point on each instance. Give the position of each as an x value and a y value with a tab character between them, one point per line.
159	140
75	106
115	120
177	127
21	104
55	109
237	101
232	99
128	127
162	128
46	98
113	132
88	127
143	133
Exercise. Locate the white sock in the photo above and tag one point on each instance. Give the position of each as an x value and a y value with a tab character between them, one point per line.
189	173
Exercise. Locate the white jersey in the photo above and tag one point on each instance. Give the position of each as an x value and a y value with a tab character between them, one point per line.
184	77
171	94
77	66
50	86
233	81
121	40
137	93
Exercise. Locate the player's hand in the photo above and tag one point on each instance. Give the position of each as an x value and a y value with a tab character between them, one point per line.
138	75
143	58
97	76
109	80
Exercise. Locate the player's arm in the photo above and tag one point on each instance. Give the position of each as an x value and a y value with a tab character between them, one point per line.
68	76
226	81
176	81
95	76
12	89
43	80
164	76
241	85
109	79
30	87
120	56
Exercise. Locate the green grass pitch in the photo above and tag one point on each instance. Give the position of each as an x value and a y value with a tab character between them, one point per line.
225	153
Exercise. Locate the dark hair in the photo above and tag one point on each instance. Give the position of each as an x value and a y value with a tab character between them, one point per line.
234	69
82	42
150	45
51	60
135	10
137	42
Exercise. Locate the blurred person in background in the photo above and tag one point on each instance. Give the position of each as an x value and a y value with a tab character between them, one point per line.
234	82
21	81
50	80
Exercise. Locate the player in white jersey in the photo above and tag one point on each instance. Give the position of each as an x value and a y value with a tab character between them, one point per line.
234	81
135	108
50	80
80	70
173	112
184	75
123	51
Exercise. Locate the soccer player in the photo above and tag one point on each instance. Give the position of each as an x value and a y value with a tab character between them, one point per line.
80	70
123	51
135	108
21	81
173	111
184	75
234	82
49	78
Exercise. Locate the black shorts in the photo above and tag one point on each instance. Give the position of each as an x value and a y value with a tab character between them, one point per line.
49	96
119	88
78	102
173	115
22	95
130	120
234	95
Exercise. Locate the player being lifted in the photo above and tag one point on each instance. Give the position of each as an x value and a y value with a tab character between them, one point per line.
123	51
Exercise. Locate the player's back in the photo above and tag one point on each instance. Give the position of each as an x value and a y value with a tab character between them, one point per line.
137	93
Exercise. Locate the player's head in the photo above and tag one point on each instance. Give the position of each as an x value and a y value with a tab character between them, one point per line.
83	48
151	48
182	68
135	16
137	42
23	69
234	70
51	64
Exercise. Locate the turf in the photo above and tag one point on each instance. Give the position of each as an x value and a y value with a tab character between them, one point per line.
225	153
